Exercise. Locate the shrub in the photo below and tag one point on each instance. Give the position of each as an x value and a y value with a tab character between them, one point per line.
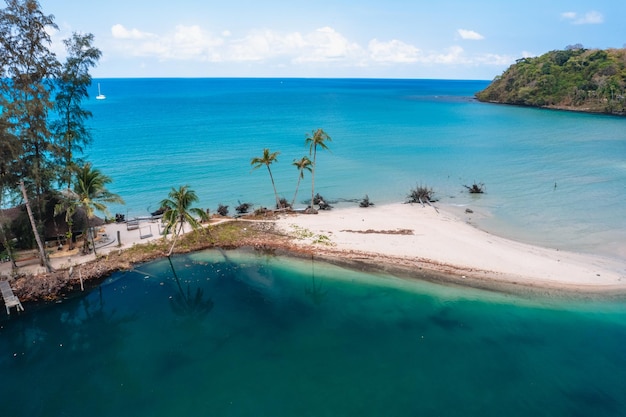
222	210
284	204
321	202
421	194
476	188
243	208
366	202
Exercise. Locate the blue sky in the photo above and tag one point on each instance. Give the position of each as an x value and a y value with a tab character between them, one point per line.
322	38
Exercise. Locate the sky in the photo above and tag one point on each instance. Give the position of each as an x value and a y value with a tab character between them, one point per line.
441	39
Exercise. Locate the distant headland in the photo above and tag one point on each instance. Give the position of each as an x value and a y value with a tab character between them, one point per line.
576	79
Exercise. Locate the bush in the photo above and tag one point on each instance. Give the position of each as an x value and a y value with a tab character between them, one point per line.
366	202
284	204
421	194
242	208
321	202
222	210
476	188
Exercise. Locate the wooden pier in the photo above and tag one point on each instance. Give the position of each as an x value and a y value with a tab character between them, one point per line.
10	300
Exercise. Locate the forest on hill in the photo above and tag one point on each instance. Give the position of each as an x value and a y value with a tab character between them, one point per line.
579	79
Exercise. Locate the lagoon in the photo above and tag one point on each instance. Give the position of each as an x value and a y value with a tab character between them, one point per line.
280	336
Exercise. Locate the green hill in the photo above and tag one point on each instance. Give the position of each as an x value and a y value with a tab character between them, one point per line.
589	80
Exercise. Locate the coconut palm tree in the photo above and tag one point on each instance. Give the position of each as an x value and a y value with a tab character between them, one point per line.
92	194
318	138
267	159
178	211
303	164
68	203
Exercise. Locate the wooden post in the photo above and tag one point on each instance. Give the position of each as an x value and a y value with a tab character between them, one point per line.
119	241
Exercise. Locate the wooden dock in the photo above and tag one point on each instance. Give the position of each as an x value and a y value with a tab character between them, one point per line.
10	300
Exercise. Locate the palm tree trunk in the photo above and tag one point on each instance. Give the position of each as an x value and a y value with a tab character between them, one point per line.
176	233
42	252
296	193
93	237
313	180
274	186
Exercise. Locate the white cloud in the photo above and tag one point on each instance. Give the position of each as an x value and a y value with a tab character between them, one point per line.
326	44
184	43
120	32
590	18
318	47
470	35
394	51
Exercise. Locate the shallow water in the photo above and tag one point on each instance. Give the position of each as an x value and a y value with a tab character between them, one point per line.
388	136
274	336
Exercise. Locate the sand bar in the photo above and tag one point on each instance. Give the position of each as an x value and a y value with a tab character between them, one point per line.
415	240
424	238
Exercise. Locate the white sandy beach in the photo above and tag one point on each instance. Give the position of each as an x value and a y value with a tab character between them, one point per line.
413	237
443	242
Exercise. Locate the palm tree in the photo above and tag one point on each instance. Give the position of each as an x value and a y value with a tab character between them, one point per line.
68	204
267	159
318	138
303	164
92	194
178	211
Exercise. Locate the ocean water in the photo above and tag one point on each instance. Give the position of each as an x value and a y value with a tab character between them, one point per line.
271	336
552	178
241	333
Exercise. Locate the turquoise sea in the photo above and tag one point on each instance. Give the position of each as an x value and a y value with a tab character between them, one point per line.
242	333
387	137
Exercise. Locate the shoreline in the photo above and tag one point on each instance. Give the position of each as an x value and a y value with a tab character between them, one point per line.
404	240
417	239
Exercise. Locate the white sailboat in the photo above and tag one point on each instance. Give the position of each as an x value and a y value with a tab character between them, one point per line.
100	96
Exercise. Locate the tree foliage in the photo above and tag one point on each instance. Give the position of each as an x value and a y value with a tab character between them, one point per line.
267	159
317	138
178	211
591	80
27	72
42	122
69	130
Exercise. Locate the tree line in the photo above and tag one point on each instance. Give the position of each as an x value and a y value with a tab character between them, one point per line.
43	129
591	80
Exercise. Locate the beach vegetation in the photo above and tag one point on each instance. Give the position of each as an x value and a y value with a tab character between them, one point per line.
42	119
283	203
179	211
222	210
303	164
69	131
318	138
475	188
590	80
421	194
28	69
366	202
321	202
92	194
68	204
302	233
267	159
243	208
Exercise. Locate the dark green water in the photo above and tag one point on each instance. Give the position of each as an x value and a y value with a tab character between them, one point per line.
282	337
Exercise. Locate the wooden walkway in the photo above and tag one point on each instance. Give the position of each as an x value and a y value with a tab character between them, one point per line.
10	300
